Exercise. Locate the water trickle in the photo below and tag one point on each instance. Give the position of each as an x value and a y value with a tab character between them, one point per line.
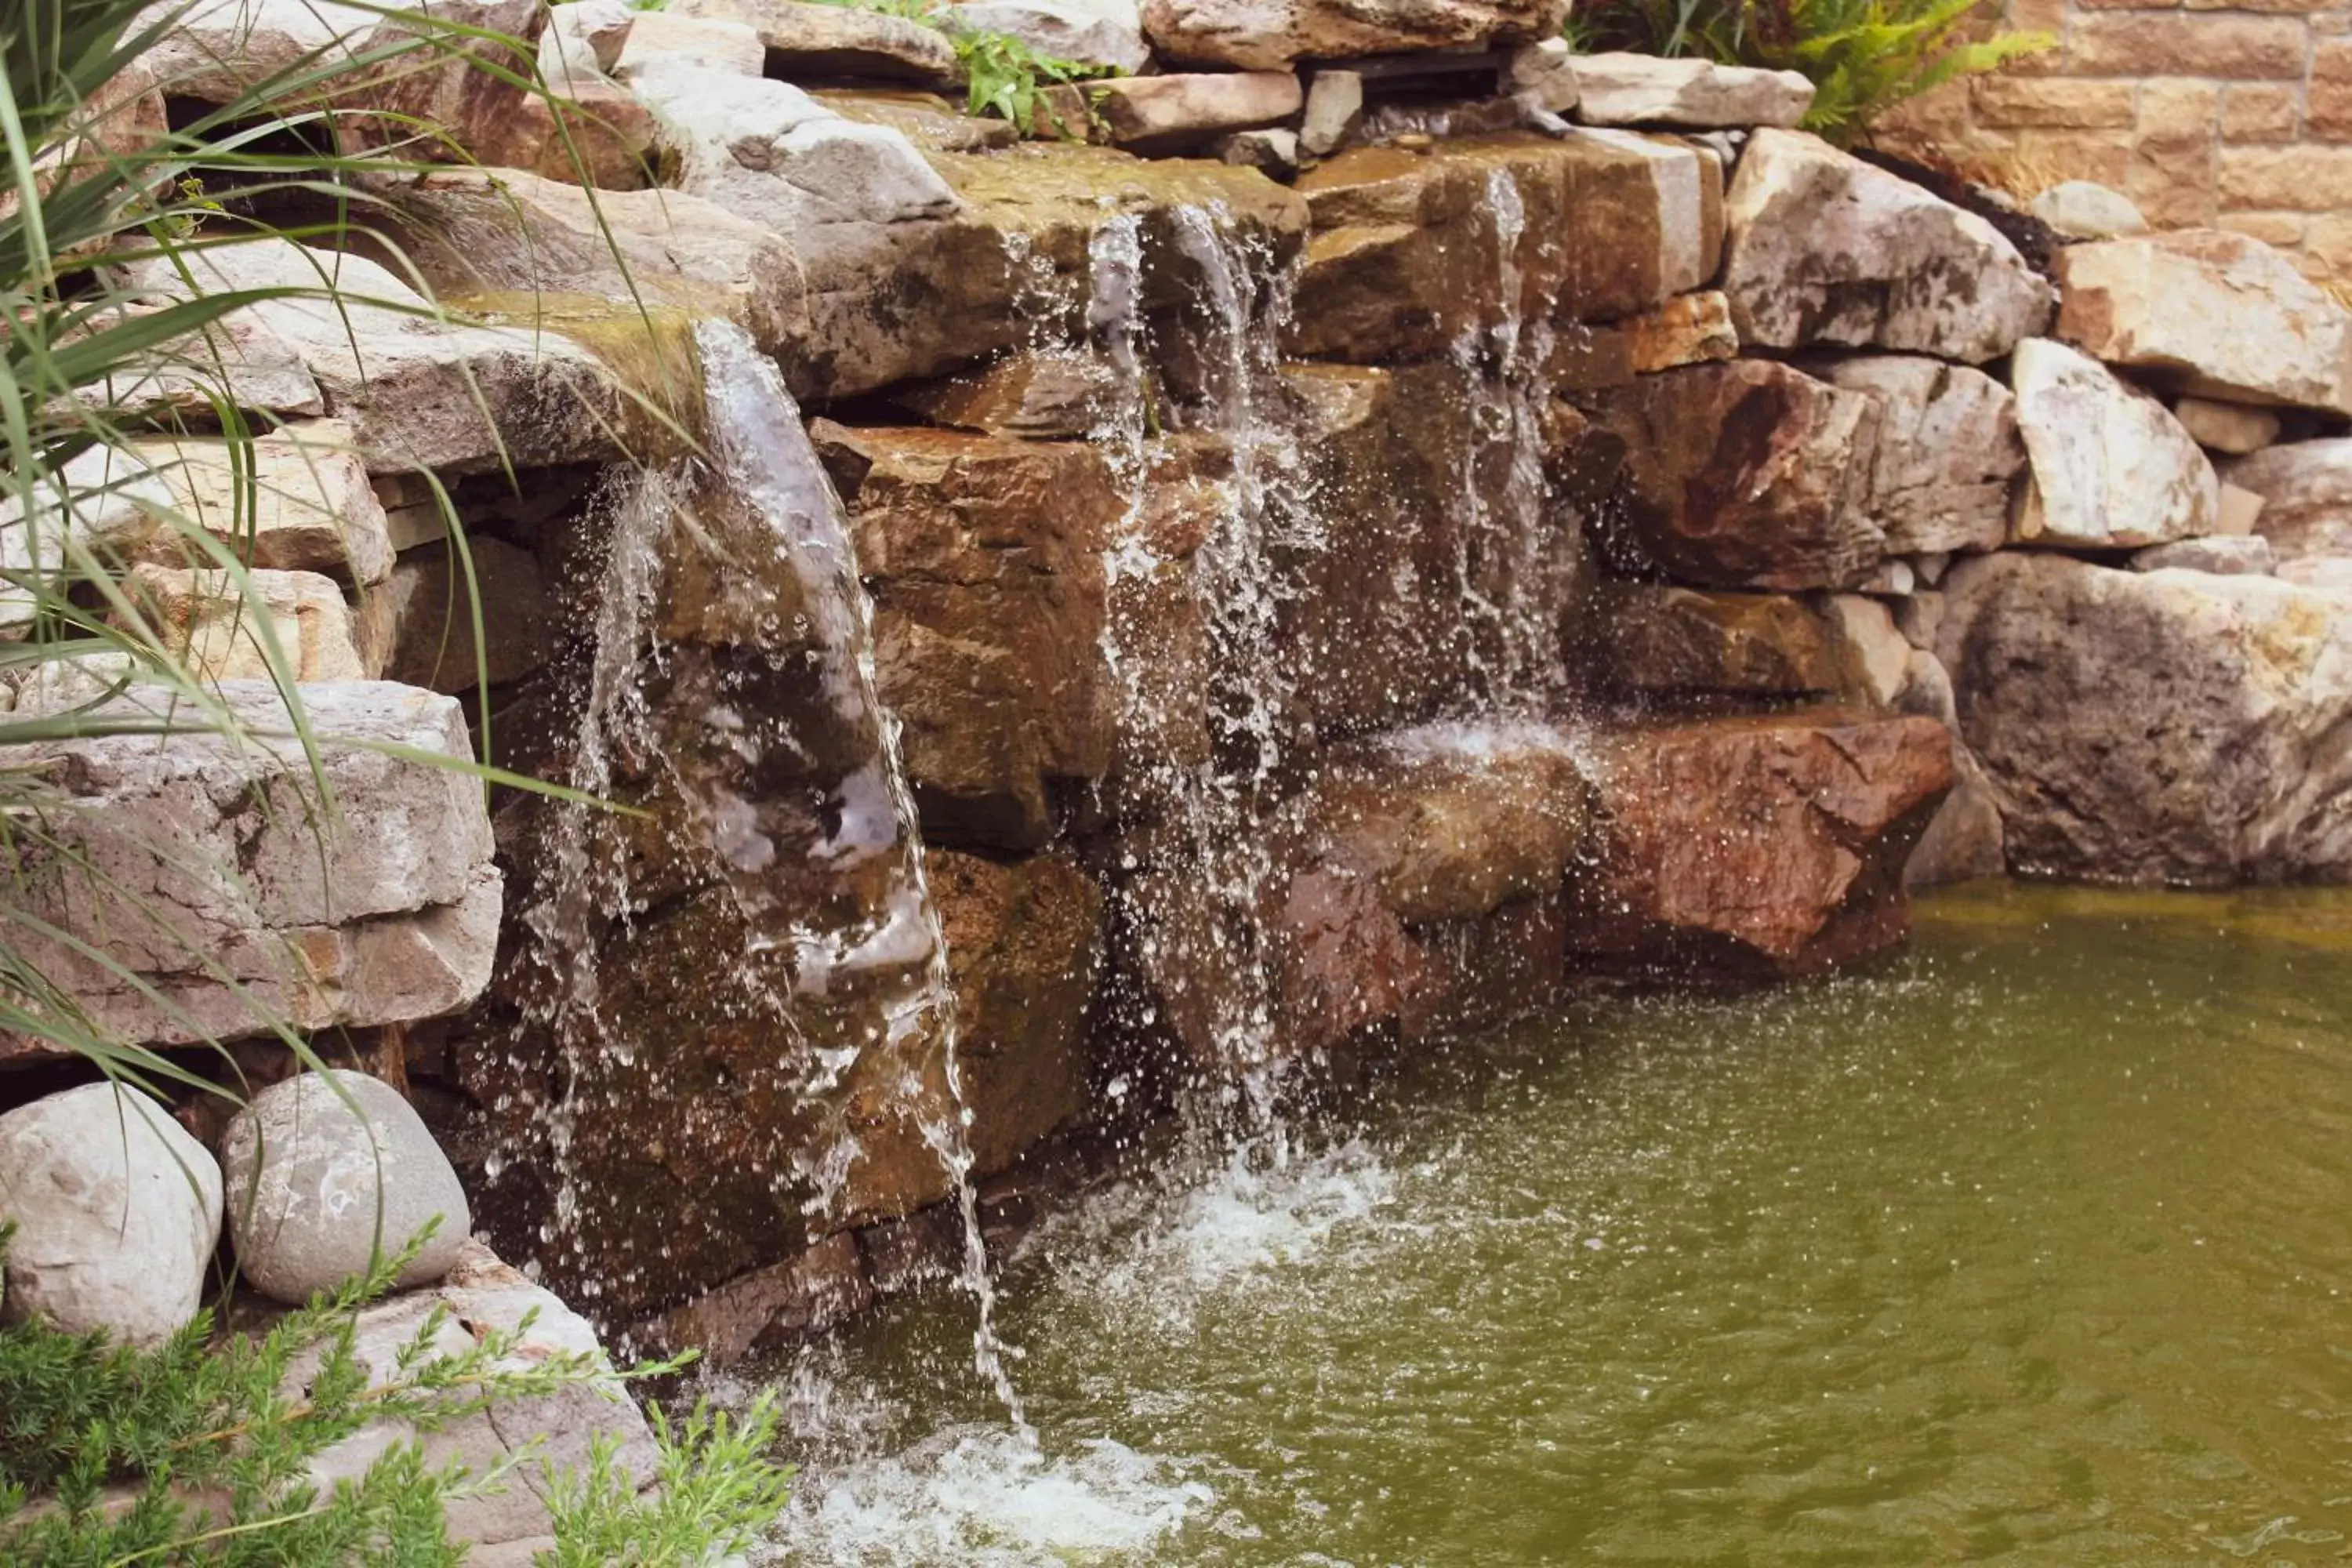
725	582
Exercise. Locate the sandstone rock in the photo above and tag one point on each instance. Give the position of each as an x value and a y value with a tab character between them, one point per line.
925	119
418	392
1407	851
2221	313
1825	248
236	360
1653	639
1749	474
768	152
1409	258
327	1172
2084	209
295	499
1948	451
586	33
1039	394
1689	329
218	51
986	558
482	1294
1646	89
1092	32
2307	491
1025	942
1272	150
384	913
1966	840
2227	557
461	70
770	1307
417	626
2230	428
2185	740
662	38
1270	35
223	629
590	130
1161	114
1749	848
2241	510
93	512
117	1212
1426	563
1542	74
1877	666
471	232
1335	106
2108	466
810	40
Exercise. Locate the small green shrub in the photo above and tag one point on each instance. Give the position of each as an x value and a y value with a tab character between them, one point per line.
1004	77
1864	57
196	1452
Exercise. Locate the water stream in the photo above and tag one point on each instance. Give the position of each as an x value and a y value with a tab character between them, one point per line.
2027	1248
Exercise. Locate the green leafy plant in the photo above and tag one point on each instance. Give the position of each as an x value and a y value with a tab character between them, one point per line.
198	1451
1004	77
1864	57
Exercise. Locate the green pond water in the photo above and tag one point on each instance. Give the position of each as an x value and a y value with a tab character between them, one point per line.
2031	1245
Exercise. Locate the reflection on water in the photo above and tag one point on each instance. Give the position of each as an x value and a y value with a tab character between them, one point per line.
2031	1247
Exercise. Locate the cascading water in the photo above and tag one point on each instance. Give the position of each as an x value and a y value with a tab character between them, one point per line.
722	581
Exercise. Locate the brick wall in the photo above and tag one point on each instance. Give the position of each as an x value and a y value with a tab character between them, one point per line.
2239	117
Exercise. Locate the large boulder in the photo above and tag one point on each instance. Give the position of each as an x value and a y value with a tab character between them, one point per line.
117	1212
1947	453
1413	253
223	627
1271	34
2307	491
1825	248
507	1525
2219	313
1091	32
2164	726
329	1172
221	892
416	389
2108	466
1648	90
985	556
1747	474
1753	848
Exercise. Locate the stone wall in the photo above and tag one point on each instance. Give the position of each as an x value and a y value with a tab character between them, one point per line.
2205	115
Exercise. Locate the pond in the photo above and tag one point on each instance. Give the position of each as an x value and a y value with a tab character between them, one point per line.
2030	1247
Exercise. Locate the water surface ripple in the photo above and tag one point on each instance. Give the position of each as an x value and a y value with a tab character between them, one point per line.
2029	1247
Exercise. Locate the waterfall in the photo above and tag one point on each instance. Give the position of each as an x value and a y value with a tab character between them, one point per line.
724	578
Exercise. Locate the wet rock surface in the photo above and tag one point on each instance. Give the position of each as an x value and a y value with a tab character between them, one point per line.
1747	849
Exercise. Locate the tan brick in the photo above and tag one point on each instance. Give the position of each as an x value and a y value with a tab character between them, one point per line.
2172	181
2327	248
2334	24
2271	7
2237	49
1938	119
2035	15
2282	229
2004	102
2127	4
2331	60
2173	107
2261	111
2291	179
2073	155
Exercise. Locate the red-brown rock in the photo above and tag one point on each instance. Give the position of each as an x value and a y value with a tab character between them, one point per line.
1754	848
